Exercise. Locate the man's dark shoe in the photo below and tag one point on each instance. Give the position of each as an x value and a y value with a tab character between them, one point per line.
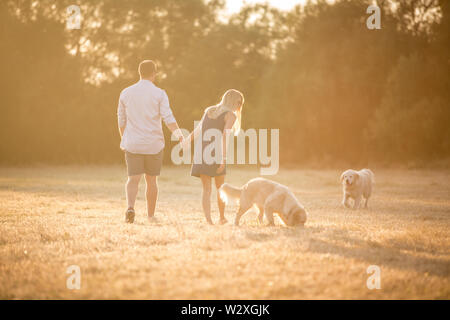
129	216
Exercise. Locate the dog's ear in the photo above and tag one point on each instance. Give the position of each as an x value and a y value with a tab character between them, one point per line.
291	217
342	176
297	217
356	176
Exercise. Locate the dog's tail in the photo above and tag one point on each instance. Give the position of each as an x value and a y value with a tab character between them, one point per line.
228	193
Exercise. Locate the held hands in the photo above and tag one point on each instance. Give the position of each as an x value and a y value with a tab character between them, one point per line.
180	137
186	143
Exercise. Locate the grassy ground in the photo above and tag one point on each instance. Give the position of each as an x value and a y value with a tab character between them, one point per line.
54	217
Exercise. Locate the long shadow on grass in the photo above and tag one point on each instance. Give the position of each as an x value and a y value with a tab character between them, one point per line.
376	254
339	242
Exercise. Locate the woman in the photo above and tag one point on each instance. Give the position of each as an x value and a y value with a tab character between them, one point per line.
225	117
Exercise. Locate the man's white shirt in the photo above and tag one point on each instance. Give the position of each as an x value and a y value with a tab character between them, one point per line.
141	108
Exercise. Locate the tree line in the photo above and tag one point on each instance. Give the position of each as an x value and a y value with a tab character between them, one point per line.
338	92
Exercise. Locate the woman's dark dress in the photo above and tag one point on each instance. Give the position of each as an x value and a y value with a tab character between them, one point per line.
210	169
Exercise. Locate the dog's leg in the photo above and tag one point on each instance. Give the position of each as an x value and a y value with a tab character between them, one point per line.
367	196
269	216
272	204
261	214
239	214
244	206
345	201
357	202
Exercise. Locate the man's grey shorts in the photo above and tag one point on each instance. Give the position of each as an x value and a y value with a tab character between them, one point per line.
144	163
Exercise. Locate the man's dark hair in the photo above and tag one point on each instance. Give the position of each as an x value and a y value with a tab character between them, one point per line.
147	69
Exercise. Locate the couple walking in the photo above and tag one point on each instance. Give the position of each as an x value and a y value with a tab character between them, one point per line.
141	108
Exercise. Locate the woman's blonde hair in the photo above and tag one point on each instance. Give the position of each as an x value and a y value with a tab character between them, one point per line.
232	100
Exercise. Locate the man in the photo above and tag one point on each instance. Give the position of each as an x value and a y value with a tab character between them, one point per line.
141	108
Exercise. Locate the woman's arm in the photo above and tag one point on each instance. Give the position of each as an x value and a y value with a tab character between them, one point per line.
230	118
193	134
187	141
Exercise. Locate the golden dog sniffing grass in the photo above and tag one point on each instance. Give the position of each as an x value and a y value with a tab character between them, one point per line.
270	197
356	185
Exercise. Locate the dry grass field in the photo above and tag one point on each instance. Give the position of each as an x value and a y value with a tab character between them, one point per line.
54	217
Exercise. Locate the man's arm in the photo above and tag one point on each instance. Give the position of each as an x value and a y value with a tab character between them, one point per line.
168	118
121	117
121	131
173	127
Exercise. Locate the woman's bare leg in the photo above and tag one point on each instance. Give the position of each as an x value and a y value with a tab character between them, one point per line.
206	197
219	180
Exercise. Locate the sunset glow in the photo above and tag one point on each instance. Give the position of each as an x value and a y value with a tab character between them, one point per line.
224	154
